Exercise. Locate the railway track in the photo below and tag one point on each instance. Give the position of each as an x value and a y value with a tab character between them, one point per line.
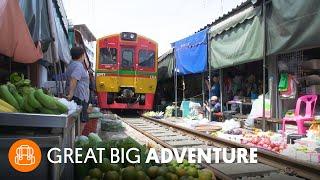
269	166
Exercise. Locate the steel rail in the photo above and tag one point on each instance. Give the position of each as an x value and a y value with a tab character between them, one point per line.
216	172
298	167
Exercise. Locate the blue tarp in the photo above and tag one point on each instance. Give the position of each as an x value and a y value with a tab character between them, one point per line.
191	53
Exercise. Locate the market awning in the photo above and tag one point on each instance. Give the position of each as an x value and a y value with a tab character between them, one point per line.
237	39
232	21
15	38
36	16
191	53
292	25
165	65
61	41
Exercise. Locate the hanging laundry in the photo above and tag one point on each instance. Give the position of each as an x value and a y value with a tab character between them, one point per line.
283	83
292	88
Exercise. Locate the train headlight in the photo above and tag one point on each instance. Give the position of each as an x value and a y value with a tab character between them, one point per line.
128	36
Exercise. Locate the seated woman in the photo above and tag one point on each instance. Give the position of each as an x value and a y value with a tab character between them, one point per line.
215	107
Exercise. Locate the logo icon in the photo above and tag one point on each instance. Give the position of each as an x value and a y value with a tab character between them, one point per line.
24	155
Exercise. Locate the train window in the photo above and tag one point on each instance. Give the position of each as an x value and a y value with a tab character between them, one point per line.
127	57
146	58
108	56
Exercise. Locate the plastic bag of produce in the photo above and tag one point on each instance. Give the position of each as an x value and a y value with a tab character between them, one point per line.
111	125
230	124
257	108
72	106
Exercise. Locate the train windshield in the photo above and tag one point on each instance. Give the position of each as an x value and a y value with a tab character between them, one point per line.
146	58
127	57
108	56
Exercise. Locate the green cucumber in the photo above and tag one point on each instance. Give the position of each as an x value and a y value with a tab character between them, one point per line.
45	100
48	111
16	95
33	101
61	107
19	98
8	97
26	105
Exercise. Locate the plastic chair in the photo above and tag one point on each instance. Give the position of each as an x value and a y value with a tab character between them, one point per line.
310	101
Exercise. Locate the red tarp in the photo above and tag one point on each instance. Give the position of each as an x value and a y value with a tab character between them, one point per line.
15	38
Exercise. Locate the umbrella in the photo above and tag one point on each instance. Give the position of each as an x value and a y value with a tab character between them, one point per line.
15	38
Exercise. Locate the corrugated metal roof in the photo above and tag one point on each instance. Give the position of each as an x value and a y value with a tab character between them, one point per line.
231	13
163	56
85	31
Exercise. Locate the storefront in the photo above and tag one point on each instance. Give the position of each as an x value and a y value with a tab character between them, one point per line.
265	53
27	112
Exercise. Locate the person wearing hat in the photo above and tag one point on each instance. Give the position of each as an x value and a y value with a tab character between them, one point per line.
215	106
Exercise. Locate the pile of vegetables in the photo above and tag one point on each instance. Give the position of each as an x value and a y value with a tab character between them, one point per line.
127	171
111	125
169	111
19	96
152	114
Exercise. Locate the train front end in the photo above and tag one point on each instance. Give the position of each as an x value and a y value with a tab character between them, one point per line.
126	71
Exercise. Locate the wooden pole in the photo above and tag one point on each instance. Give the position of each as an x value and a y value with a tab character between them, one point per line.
175	88
53	43
221	89
209	79
264	67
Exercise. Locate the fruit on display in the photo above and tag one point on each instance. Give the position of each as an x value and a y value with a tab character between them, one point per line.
111	175
95	173
265	143
205	175
126	171
23	98
94	139
153	171
129	173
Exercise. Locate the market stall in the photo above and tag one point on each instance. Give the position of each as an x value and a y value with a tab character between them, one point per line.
279	71
28	113
190	58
